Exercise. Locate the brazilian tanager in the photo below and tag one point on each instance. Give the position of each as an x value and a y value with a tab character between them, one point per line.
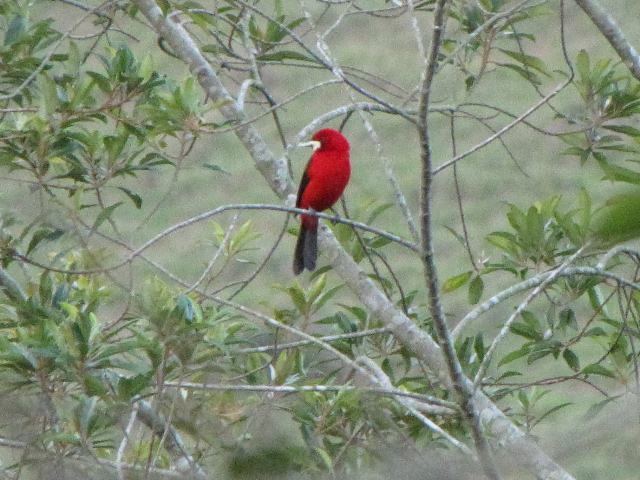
325	178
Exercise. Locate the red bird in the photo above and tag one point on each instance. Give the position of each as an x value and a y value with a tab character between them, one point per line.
325	178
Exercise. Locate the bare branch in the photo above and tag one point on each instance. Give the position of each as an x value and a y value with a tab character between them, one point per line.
300	343
172	440
432	405
521	307
125	440
612	32
614	252
339	112
415	407
427	251
504	129
419	343
214	258
416	340
211	213
92	461
532	283
274	170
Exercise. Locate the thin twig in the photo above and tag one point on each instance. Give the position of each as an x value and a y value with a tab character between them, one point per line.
211	213
456	184
427	250
504	129
521	307
437	406
532	283
125	439
214	258
300	343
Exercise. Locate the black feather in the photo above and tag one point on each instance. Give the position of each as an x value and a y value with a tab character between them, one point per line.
306	251
298	256
310	253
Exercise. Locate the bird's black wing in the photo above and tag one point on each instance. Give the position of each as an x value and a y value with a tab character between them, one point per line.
304	181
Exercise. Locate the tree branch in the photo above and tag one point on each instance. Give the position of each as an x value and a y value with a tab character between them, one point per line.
465	396
93	461
420	344
172	440
274	170
432	405
416	340
612	32
532	283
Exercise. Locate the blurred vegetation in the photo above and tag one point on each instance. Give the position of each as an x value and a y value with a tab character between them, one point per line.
109	141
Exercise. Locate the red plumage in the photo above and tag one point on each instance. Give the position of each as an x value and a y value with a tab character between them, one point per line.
325	178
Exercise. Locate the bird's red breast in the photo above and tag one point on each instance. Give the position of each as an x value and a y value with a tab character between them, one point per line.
326	175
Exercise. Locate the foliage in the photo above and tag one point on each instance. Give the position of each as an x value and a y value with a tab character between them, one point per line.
92	327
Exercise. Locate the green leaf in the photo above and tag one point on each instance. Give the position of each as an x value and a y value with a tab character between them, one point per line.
81	93
552	410
215	168
582	64
15	30
284	55
135	198
377	211
298	298
625	129
528	60
46	288
504	241
618	173
185	308
523	72
456	282
130	387
538	354
85	412
326	458
43	235
567	318
597	407
316	288
526	331
478	346
572	359
523	399
146	68
595	332
49	93
476	287
535	226
105	214
103	82
516	354
597	369
93	385
456	235
619	219
326	296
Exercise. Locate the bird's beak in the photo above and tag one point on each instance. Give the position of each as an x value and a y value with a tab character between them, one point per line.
314	144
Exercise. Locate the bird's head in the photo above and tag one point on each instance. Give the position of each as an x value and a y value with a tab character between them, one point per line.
327	139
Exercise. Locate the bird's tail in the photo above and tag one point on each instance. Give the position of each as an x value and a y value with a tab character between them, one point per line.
306	251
